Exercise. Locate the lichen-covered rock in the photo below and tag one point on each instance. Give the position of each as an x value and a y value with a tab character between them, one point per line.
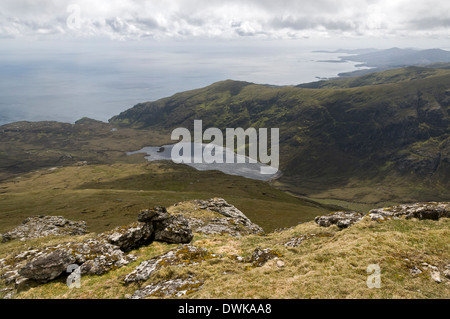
155	214
42	226
180	256
226	219
427	210
94	256
174	288
173	230
260	256
48	266
340	219
131	236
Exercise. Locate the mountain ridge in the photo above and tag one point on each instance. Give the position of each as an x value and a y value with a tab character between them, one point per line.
391	124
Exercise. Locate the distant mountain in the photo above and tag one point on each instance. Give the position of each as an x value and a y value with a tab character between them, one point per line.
396	57
381	60
390	129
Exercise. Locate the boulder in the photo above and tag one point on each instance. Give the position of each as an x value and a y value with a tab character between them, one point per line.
48	266
94	256
177	287
157	213
173	230
340	219
223	218
131	236
42	226
181	256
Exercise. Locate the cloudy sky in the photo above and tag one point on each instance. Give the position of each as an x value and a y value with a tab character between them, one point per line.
280	19
64	59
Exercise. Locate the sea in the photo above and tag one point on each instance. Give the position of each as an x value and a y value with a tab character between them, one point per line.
65	81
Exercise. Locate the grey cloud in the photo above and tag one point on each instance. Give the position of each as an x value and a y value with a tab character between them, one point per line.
430	23
222	19
306	23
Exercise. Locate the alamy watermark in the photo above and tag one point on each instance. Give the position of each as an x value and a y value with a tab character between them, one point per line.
235	139
74	279
374	276
74	19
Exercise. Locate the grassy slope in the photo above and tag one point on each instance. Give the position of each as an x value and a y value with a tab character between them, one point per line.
28	146
330	266
111	195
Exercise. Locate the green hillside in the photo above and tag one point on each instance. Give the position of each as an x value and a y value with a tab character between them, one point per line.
377	138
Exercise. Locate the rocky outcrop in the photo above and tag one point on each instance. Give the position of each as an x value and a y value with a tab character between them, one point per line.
340	219
153	225
177	287
131	236
180	256
94	256
48	266
428	210
225	219
42	226
173	230
425	210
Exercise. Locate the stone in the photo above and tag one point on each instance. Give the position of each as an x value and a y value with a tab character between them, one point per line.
173	230
42	226
155	214
97	257
447	273
130	237
174	288
421	211
49	266
261	256
94	256
228	220
436	276
340	219
180	256
415	271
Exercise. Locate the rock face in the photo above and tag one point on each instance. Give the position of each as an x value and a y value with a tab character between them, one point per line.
224	218
42	226
430	210
341	219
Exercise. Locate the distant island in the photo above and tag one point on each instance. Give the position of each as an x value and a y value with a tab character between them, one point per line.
381	60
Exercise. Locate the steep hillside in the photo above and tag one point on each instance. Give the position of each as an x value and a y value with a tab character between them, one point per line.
389	129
